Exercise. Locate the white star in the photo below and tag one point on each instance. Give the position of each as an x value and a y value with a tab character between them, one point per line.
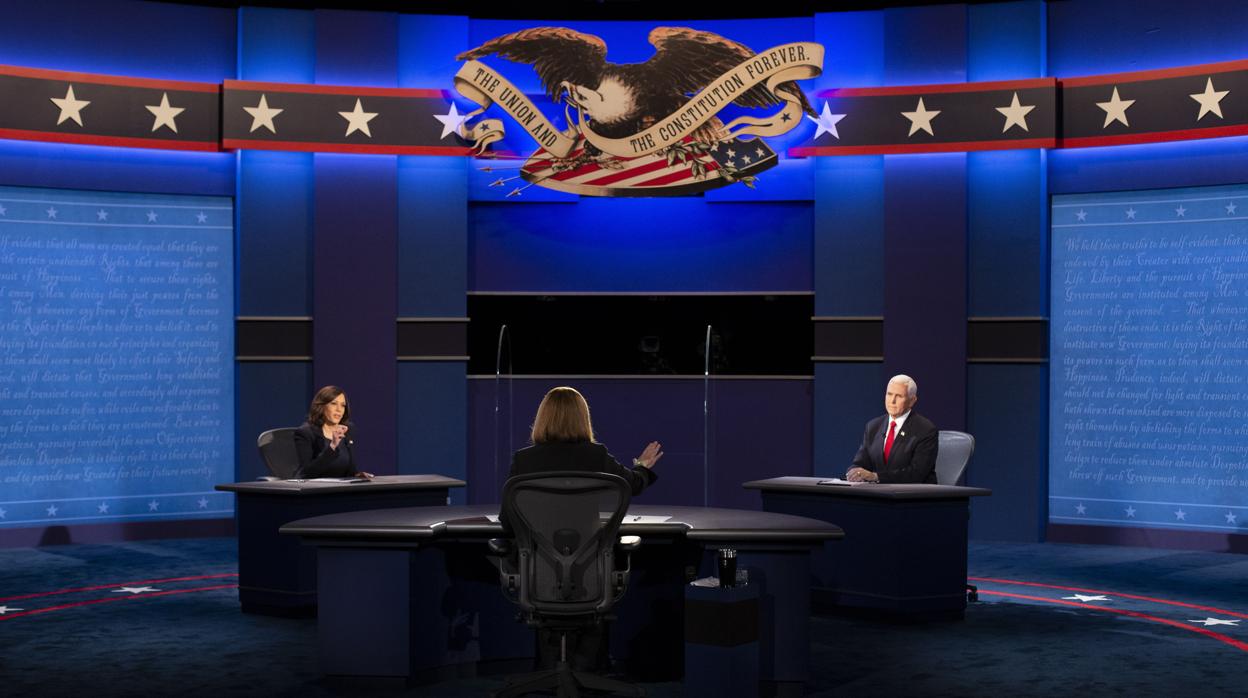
1085	598
1180	515
1131	214
451	121
1015	114
164	113
103	507
1181	211
151	216
920	118
826	123
1230	208
101	215
1215	621
153	505
1081	509
203	503
1115	109
71	108
358	119
51	212
134	590
732	153
52	510
1209	100
201	217
746	159
758	152
1130	512
262	115
7	609
1231	518
1081	215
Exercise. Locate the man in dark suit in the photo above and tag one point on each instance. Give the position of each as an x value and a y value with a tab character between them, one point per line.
899	446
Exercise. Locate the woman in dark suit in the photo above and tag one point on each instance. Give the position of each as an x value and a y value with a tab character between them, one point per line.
325	443
563	439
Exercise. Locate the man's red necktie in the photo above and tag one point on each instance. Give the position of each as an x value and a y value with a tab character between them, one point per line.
888	442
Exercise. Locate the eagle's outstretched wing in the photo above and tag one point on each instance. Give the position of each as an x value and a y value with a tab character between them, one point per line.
557	54
689	59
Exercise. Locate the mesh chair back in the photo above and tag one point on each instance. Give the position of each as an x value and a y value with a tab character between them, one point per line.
566	526
952	455
277	448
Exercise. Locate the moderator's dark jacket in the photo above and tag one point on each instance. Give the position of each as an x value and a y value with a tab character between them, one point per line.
913	456
585	456
317	459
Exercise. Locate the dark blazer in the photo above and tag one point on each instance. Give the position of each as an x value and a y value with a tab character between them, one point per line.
913	457
317	459
553	456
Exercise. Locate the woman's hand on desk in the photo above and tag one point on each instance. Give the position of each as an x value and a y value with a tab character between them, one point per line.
367	476
650	456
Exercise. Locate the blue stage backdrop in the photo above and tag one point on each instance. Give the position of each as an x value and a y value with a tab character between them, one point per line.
116	357
1149	425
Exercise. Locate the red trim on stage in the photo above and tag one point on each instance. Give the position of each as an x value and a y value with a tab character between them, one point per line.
121	584
131	597
88	139
1136	597
1159	74
966	146
344	90
67	76
1237	644
920	90
362	148
1154	136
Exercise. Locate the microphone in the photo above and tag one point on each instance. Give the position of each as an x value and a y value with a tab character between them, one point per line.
706	412
498	369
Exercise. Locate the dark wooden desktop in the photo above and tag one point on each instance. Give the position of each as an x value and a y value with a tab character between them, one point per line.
904	551
277	575
407	592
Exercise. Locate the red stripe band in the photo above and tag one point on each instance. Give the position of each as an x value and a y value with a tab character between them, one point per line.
1136	597
120	584
93	602
1237	644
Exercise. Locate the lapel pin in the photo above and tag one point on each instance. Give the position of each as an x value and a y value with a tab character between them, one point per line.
903	433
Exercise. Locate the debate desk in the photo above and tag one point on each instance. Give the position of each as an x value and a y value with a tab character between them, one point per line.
277	575
904	552
411	593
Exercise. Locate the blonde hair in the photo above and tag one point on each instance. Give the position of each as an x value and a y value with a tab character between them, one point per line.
562	416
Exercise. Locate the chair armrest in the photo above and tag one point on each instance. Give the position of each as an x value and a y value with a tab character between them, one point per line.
268	478
500	547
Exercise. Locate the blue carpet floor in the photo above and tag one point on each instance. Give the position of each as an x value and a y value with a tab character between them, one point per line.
1053	620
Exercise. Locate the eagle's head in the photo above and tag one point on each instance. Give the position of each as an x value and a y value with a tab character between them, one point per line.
612	102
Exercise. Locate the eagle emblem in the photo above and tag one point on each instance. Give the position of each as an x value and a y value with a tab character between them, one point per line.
650	128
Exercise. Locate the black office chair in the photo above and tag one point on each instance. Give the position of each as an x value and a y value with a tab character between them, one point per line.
952	456
277	448
953	453
561	566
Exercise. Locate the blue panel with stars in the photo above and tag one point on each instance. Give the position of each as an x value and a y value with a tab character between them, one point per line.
1149	360
116	357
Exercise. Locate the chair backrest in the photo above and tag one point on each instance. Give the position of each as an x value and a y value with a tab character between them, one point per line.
566	525
277	448
952	456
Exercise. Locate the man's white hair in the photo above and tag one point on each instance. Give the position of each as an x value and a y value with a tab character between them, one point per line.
912	388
